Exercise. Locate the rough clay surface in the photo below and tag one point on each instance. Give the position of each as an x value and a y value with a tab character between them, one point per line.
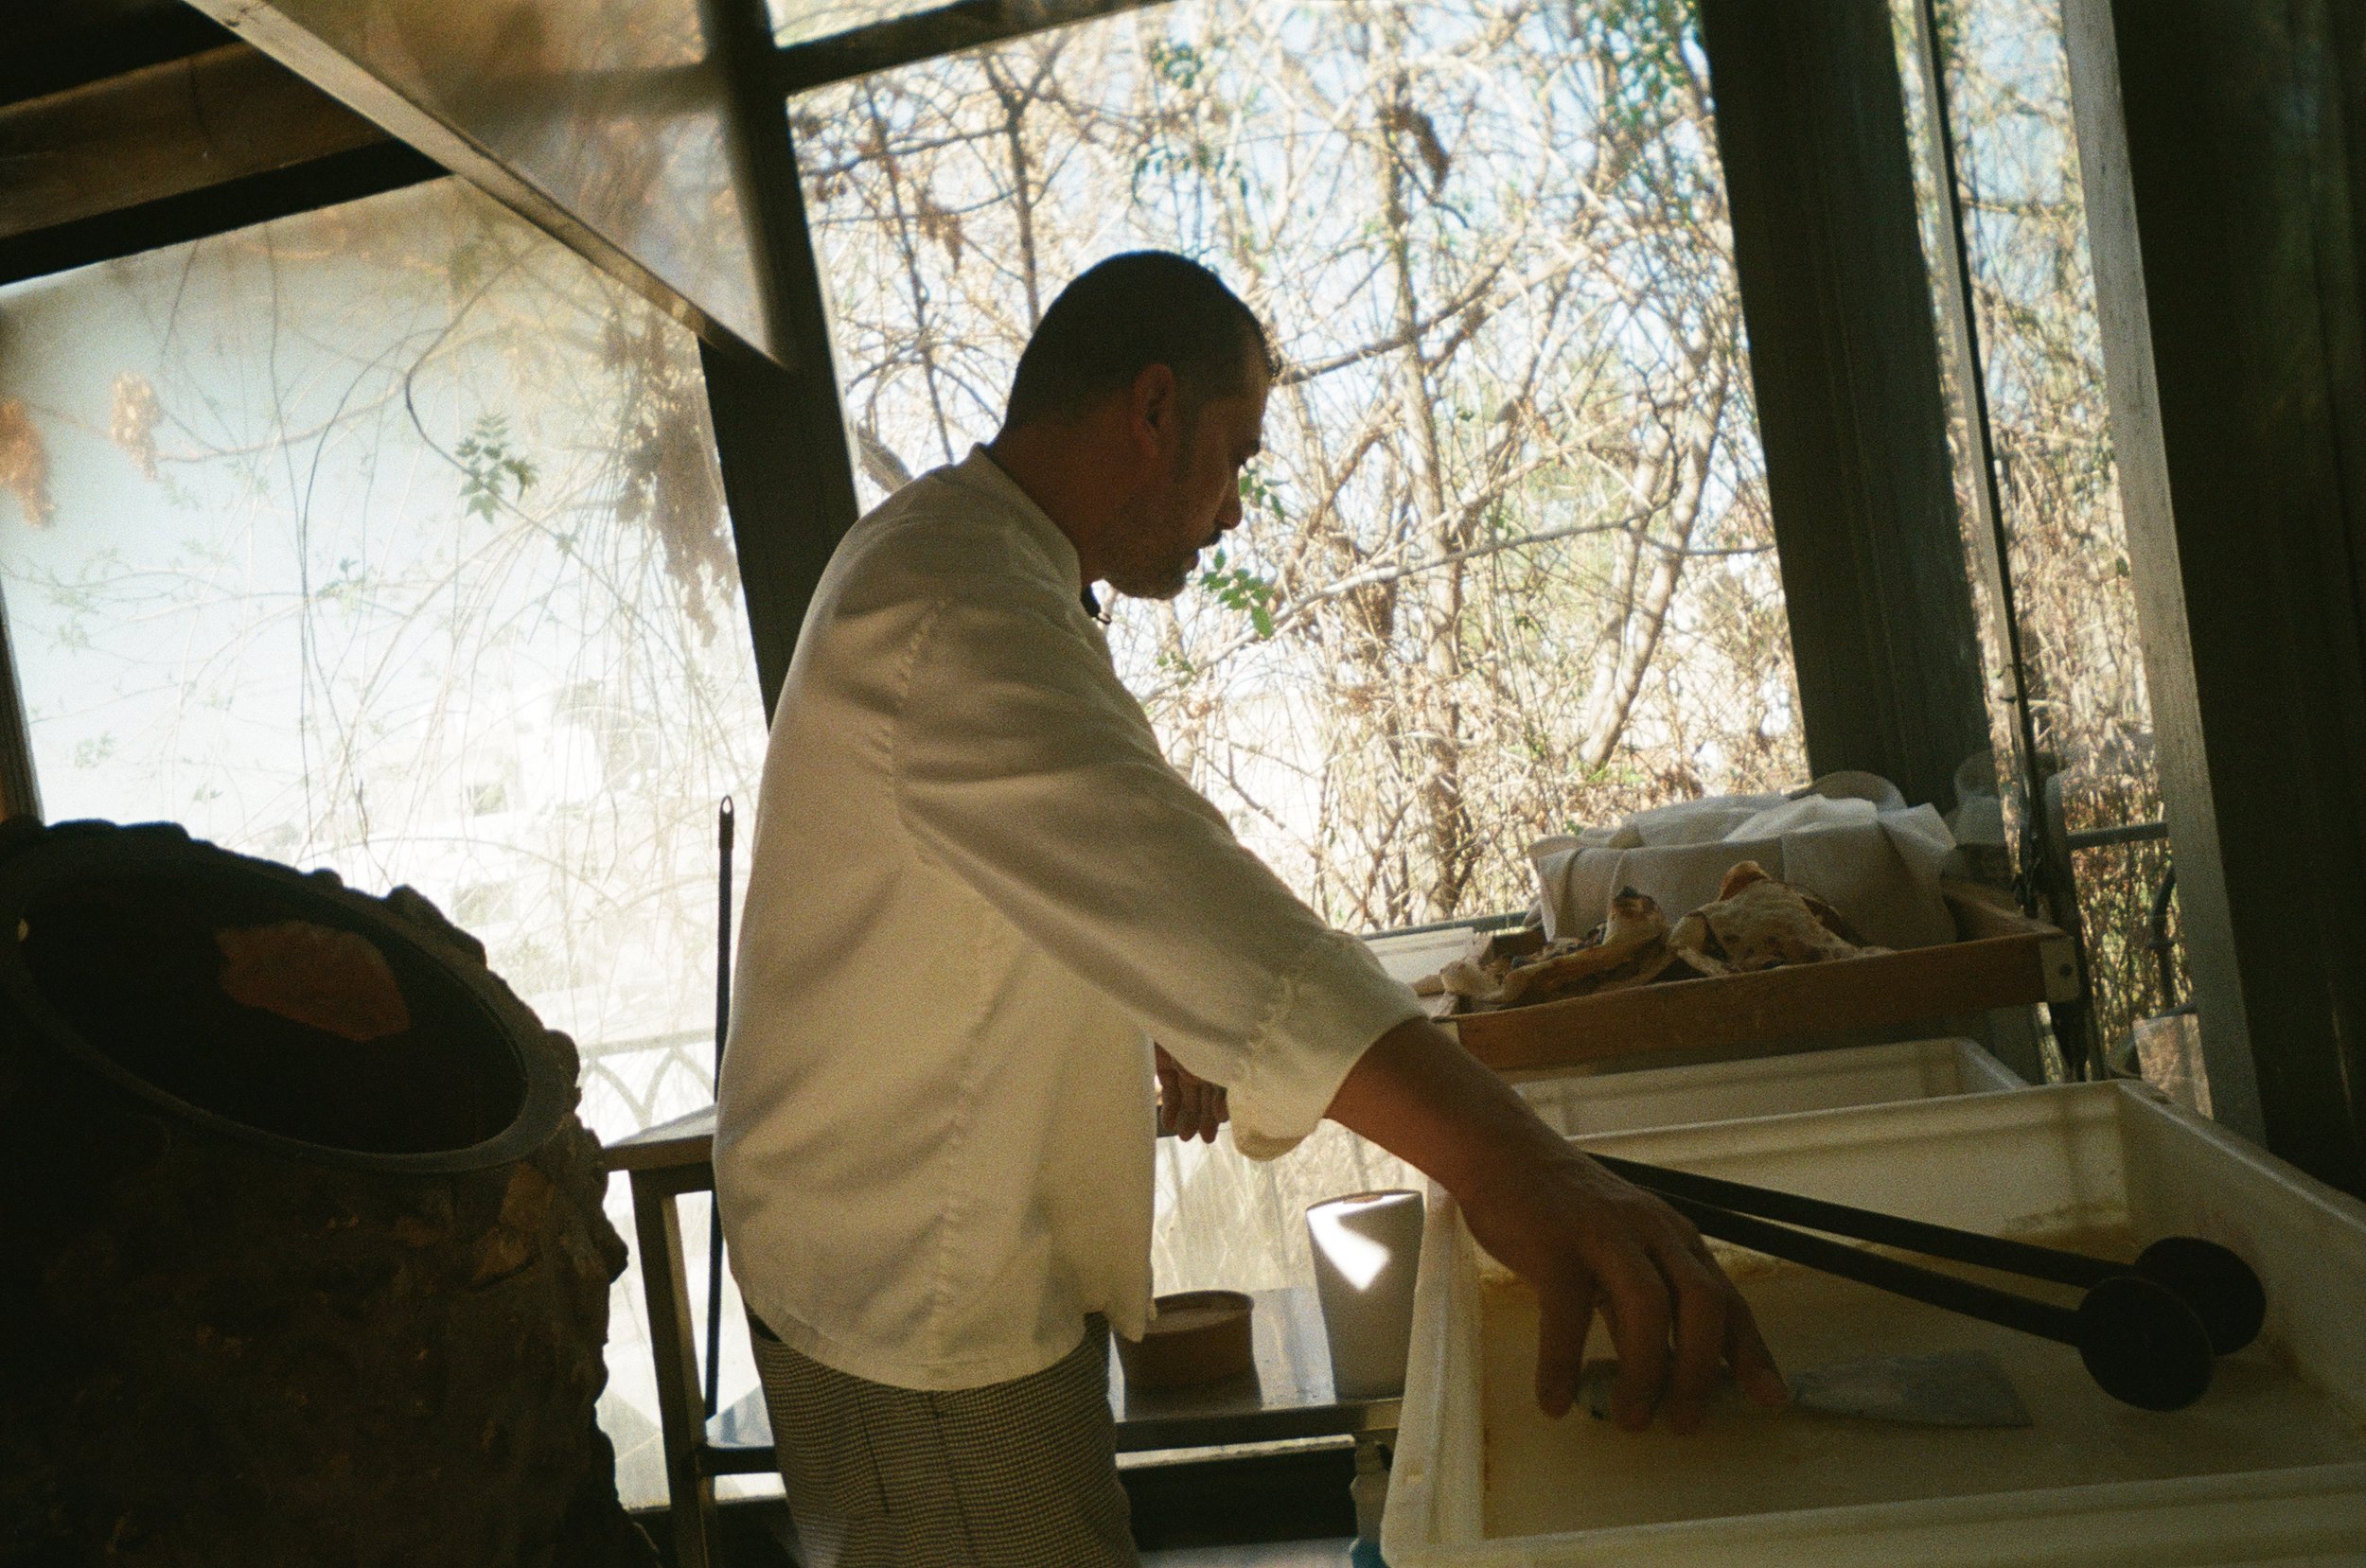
217	1355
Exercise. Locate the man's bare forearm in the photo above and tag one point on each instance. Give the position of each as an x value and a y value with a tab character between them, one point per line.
1420	1096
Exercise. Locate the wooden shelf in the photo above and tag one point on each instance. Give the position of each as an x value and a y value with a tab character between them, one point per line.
2001	959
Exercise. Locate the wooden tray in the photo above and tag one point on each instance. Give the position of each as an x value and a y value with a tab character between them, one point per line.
2001	959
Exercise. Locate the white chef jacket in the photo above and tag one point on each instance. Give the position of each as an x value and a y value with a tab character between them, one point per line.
977	891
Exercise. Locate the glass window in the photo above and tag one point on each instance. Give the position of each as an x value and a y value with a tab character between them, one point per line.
389	538
1508	565
805	21
2007	87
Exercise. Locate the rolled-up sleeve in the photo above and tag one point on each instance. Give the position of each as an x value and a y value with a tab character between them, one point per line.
1023	766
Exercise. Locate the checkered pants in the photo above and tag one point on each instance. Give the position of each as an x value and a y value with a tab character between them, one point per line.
1019	1474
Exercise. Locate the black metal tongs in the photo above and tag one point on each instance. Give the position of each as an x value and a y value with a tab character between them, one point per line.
2147	1330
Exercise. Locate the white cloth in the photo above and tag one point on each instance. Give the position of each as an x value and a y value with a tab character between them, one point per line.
977	891
1849	838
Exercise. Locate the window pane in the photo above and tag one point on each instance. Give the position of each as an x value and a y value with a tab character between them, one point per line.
2033	295
1508	565
804	21
389	538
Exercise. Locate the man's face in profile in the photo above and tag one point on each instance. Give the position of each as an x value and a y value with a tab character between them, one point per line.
1192	495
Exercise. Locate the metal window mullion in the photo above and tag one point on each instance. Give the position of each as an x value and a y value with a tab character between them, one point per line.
2045	860
20	784
1992	540
930	35
780	423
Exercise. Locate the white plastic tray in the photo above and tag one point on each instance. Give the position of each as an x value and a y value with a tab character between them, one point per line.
2088	1157
1606	1102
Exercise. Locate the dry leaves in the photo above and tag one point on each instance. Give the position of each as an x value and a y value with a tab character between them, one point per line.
24	463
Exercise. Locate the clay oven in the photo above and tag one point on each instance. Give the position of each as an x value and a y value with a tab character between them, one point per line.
301	1251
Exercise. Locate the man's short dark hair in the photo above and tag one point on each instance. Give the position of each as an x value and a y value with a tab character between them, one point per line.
1126	314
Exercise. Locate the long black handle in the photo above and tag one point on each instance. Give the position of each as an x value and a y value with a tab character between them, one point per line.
2223	1290
1866	1224
723	825
1896	1276
2140	1340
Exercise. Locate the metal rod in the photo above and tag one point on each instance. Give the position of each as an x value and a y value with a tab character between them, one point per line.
909	40
2205	1282
723	825
2141	1339
1473	923
2157	940
1955	258
2127	833
1964	1246
1985	1302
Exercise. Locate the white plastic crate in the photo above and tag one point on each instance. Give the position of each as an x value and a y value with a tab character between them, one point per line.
2270	1466
1606	1102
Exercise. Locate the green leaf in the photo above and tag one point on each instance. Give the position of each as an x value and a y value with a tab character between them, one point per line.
488	466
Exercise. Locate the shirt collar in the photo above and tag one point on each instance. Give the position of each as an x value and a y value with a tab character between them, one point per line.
979	469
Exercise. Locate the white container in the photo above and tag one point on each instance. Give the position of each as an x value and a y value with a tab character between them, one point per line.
1368	1251
2270	1465
1608	1102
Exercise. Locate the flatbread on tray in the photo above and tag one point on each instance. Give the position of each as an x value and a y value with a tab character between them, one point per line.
1514	969
1758	923
1754	922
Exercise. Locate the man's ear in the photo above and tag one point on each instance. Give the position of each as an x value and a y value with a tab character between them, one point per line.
1153	407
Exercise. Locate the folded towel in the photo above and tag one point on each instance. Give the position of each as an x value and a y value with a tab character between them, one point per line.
1850	838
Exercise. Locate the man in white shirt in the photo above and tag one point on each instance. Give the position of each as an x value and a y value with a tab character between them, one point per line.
979	893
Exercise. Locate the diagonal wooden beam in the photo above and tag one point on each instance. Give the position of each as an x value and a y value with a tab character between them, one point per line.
163	131
908	40
611	138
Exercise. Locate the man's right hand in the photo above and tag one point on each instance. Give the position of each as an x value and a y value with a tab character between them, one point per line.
1587	1242
1591	1243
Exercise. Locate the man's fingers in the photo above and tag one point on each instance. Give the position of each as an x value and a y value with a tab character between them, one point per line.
1634	1299
1752	1363
1561	1331
1170	1096
1189	1106
1702	1299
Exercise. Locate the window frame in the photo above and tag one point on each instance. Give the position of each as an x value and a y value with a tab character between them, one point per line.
780	428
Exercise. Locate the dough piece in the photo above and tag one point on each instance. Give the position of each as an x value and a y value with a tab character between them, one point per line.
1740	876
1648	965
330	980
1758	923
1479	972
1697	945
1465	977
1745	872
1519	968
1633	948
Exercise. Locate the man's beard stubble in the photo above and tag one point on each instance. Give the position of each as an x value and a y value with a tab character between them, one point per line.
1166	576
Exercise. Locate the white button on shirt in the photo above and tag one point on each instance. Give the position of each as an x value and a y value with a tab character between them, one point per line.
978	892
